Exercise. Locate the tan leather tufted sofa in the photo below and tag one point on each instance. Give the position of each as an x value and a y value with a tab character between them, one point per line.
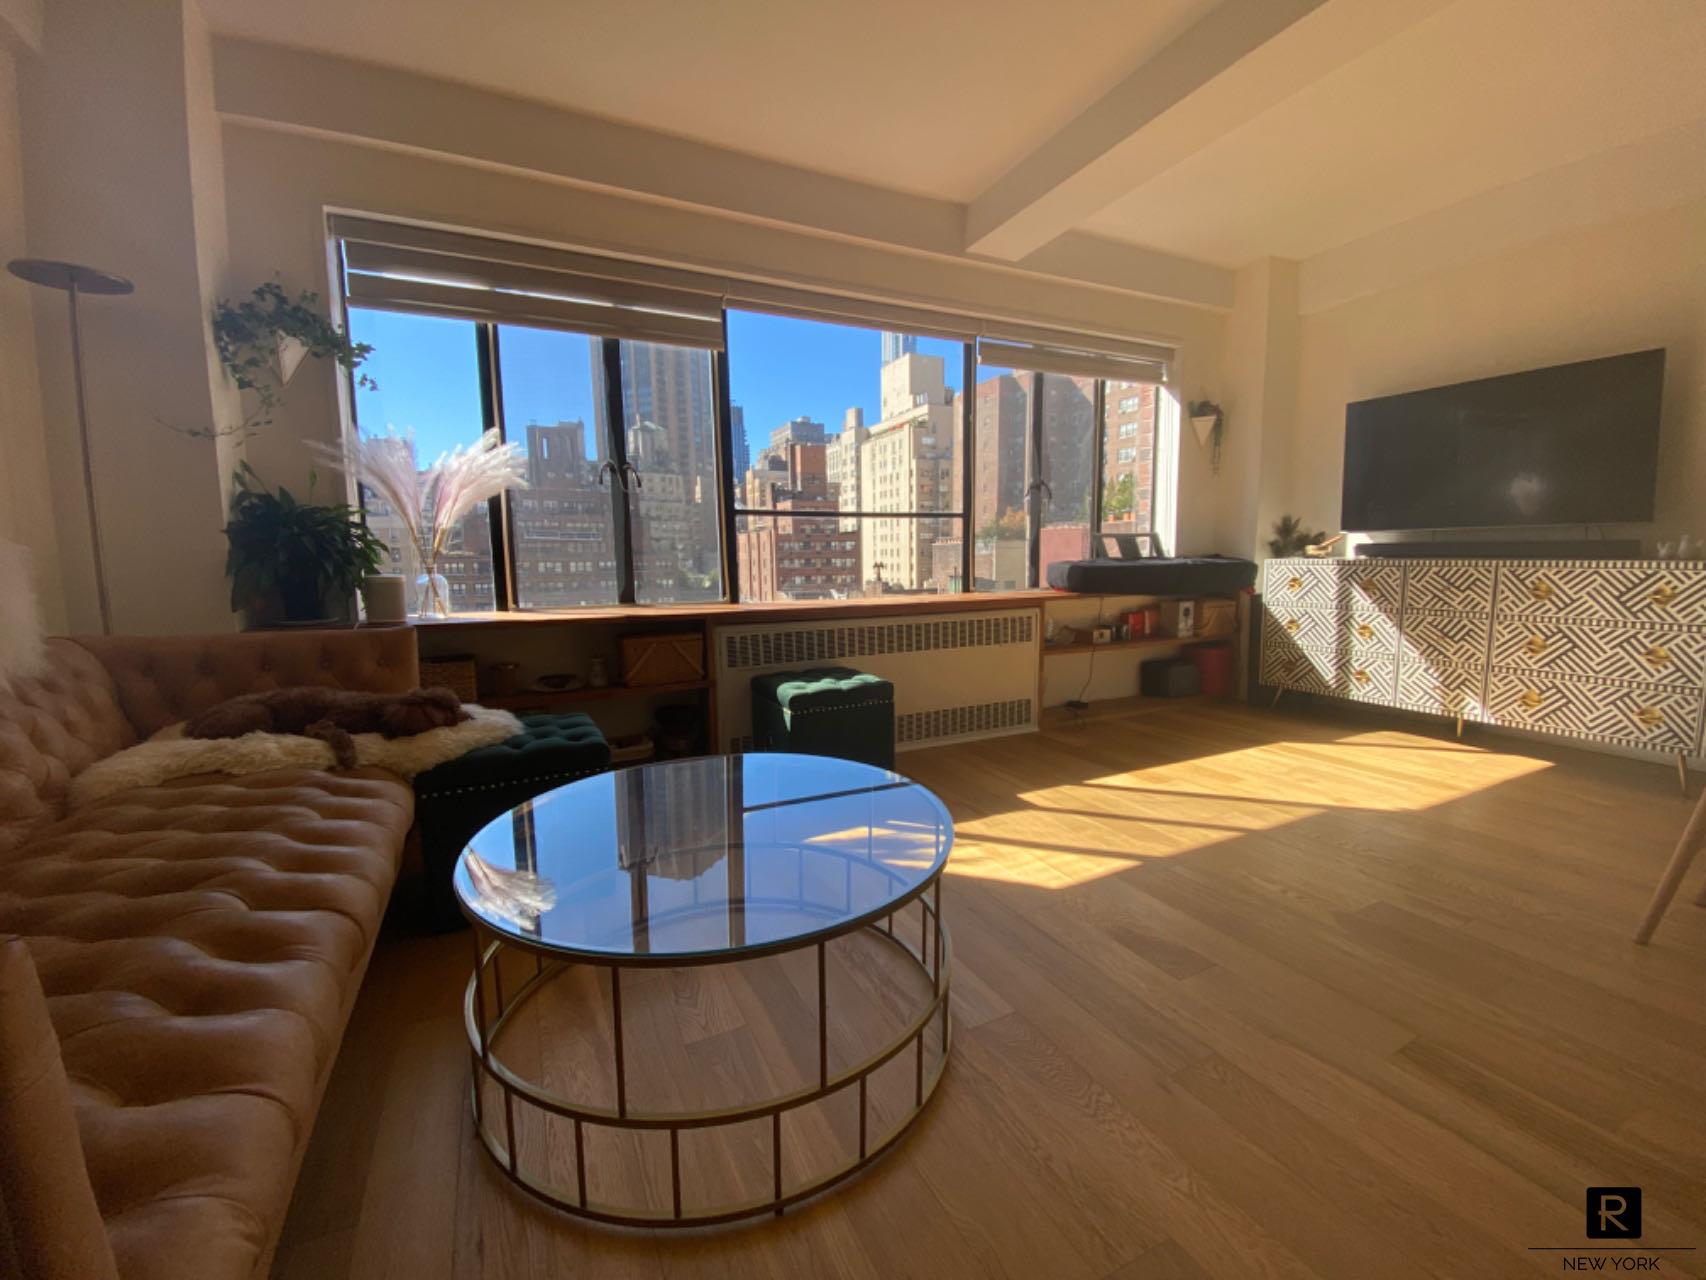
176	963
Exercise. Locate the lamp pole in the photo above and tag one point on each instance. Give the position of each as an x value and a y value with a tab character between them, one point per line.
72	279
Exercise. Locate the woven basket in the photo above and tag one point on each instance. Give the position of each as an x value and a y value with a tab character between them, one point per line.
455	672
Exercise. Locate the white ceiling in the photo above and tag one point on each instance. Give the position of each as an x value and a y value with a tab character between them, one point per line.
934	97
1417	110
1484	93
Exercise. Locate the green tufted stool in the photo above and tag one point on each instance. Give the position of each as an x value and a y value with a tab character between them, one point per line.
825	711
456	799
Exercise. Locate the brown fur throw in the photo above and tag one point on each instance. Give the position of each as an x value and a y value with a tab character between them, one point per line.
330	715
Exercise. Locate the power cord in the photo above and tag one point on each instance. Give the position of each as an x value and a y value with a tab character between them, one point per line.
1077	705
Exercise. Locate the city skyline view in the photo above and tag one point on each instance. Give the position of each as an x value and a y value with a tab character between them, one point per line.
847	448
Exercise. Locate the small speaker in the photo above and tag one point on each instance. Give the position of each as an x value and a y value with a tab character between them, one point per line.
1179	618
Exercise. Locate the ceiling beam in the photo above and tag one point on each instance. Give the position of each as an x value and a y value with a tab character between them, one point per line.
1240	60
323	95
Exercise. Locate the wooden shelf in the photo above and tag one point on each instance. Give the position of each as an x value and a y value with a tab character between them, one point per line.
1148	642
576	697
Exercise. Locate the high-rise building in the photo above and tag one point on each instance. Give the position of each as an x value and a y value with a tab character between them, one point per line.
896	345
906	464
741	451
1128	491
842	463
789	556
670	425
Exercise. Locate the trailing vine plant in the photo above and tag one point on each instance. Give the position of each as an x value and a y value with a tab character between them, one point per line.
247	337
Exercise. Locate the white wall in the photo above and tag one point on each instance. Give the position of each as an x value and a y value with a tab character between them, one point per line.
1634	283
118	135
26	508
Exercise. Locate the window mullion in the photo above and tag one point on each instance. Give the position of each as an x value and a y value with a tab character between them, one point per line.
616	455
968	469
1098	457
499	510
1034	504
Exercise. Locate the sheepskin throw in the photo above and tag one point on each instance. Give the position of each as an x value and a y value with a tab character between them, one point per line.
168	754
20	619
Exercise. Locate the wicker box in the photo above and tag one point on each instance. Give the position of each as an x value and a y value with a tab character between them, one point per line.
1217	617
454	671
671	659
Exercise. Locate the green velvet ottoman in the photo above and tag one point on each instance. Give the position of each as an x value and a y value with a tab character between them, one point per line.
456	799
825	711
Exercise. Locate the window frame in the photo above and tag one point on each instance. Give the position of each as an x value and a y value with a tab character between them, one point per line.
501	511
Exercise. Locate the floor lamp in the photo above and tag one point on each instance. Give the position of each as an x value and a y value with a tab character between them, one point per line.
72	279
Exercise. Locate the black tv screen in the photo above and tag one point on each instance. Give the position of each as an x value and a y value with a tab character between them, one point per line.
1573	444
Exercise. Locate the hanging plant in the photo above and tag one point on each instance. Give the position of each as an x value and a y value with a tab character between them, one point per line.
1209	421
262	341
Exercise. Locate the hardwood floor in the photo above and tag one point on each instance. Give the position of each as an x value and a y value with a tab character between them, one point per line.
1237	994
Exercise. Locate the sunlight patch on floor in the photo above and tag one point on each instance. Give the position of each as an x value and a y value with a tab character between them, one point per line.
1103	825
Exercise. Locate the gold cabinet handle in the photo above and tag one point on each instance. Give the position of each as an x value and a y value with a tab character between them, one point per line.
1530	699
1364	631
1540	589
1360	676
1291	625
1657	655
1294	584
1663	595
1651	717
1536	645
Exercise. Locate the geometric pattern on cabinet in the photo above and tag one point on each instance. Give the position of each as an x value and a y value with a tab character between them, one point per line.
1604	591
1449	586
1609	651
1638	715
1648	654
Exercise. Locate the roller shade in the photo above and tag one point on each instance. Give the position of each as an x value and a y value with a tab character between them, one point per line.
1117	362
399	266
395	267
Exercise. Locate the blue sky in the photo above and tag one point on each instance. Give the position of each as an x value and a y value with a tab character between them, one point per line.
428	375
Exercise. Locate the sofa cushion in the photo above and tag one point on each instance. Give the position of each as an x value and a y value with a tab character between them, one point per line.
163	679
50	1228
199	944
53	726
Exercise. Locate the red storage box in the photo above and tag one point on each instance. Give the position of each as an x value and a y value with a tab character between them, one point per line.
1214	668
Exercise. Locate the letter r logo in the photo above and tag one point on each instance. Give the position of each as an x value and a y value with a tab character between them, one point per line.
1614	1213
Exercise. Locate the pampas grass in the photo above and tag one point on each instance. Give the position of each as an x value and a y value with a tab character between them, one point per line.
21	652
431	503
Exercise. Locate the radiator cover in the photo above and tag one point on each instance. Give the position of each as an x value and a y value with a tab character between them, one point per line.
956	676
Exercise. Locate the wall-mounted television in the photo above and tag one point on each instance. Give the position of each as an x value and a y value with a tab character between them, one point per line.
1572	444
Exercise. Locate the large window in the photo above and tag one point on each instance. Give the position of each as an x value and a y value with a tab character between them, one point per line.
853	488
672	436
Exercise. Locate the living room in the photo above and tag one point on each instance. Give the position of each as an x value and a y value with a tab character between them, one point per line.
1075	638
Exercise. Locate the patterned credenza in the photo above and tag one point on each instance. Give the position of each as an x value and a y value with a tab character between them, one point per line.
1610	651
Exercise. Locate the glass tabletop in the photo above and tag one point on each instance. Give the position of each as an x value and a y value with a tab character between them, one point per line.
712	857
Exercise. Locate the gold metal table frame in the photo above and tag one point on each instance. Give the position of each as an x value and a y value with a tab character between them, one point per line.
487	1019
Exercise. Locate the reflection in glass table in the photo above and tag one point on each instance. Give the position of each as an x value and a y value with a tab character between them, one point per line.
715	860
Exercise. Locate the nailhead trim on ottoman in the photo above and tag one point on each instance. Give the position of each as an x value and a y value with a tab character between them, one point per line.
453	801
825	711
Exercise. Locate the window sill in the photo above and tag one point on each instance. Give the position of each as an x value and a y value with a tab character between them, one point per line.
723	612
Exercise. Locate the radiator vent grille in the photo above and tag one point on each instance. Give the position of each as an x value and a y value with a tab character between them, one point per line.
862	640
955	722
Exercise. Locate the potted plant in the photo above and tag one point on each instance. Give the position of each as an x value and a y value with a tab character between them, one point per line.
288	557
1208	420
263	340
1291	538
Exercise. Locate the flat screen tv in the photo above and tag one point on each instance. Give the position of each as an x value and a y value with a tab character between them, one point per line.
1573	444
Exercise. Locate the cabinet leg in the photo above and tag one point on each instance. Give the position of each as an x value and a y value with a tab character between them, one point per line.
1275	702
1460	728
1682	770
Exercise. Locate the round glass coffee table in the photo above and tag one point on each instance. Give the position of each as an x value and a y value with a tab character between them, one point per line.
718	860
